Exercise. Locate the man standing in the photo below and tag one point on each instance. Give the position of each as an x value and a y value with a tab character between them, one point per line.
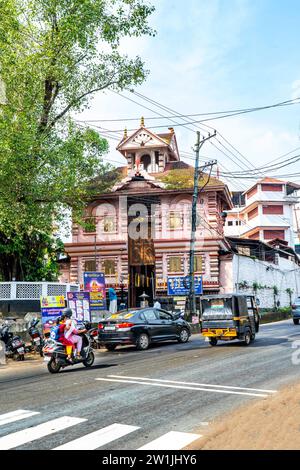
112	300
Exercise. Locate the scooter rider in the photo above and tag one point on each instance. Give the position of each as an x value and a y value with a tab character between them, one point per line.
71	331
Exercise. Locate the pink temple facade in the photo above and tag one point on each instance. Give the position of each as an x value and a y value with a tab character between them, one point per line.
139	231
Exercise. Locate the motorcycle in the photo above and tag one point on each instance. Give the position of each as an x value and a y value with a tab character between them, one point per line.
37	341
56	356
14	346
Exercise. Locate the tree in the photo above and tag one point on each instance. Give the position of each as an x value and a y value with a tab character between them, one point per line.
54	56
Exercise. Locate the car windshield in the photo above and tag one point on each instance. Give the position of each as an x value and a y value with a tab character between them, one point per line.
216	309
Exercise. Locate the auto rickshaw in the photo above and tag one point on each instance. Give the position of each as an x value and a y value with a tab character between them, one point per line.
229	317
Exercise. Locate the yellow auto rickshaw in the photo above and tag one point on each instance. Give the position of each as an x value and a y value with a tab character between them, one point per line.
229	317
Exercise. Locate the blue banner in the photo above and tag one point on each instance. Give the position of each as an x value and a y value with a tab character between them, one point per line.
180	285
94	283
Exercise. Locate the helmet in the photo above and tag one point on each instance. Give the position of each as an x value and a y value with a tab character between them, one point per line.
67	312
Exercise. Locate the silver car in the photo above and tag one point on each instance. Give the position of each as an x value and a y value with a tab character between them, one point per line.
296	311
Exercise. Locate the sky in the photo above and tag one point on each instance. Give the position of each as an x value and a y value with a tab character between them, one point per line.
214	55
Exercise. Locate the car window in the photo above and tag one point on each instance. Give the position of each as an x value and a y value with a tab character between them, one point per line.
150	315
164	315
122	315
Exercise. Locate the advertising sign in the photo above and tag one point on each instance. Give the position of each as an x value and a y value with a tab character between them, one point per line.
79	303
51	308
180	285
94	283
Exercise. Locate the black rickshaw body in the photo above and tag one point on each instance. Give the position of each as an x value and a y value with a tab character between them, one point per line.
229	317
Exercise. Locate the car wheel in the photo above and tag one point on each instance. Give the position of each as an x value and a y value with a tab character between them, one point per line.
183	336
296	321
142	342
53	366
247	339
110	347
213	341
89	361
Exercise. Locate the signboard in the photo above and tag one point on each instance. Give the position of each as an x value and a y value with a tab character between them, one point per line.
79	303
180	285
94	283
51	308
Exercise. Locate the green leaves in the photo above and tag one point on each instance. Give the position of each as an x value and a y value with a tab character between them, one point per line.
54	56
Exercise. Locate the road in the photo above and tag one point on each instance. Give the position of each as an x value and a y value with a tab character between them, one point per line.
159	398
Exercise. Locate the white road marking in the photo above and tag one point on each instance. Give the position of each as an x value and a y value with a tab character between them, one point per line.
98	438
182	387
193	383
19	438
16	416
173	440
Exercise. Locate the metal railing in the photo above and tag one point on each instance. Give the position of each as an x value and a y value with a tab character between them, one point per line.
34	290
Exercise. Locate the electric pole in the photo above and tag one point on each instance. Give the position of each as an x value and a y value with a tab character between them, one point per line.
196	193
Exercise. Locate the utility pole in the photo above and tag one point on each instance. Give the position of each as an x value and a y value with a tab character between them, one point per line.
196	193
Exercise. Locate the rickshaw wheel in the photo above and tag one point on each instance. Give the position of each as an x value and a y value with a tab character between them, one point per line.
247	339
253	337
213	341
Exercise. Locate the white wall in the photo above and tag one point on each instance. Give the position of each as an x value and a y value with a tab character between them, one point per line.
243	268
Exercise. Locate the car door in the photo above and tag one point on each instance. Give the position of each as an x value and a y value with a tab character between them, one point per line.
152	323
168	325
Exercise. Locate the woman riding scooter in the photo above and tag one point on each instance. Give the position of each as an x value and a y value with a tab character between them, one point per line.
71	332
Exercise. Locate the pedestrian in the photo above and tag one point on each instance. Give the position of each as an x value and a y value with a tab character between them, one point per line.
112	300
157	304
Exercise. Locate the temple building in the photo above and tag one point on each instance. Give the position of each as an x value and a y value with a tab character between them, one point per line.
139	231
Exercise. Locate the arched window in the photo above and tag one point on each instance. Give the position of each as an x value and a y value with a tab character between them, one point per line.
146	163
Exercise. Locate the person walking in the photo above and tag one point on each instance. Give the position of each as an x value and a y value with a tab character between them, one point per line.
112	300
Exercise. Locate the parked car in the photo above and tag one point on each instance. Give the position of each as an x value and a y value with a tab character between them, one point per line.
296	311
142	327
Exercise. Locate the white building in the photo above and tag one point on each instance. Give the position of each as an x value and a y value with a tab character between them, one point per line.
268	212
270	272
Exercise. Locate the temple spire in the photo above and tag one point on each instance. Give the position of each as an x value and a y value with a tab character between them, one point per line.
142	121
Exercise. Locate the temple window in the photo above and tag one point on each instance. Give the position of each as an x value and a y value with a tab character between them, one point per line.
175	220
109	224
175	264
109	267
90	265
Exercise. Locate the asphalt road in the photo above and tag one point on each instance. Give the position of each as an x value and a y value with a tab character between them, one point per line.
129	399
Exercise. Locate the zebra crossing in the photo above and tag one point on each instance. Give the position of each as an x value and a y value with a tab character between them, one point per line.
173	440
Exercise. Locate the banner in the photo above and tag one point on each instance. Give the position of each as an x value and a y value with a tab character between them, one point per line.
51	309
180	285
79	303
94	283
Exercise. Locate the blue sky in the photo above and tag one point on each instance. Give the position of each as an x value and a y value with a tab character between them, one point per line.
212	55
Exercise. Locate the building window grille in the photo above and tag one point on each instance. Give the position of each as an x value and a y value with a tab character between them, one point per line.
175	264
175	220
109	267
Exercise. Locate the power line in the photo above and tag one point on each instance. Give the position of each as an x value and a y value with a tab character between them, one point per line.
232	112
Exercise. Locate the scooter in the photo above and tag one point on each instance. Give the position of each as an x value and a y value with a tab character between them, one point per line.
14	346
37	341
56	357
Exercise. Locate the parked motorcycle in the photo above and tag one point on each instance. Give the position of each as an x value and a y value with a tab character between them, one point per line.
37	341
14	345
56	357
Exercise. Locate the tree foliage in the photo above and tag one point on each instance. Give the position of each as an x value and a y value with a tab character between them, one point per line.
54	56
